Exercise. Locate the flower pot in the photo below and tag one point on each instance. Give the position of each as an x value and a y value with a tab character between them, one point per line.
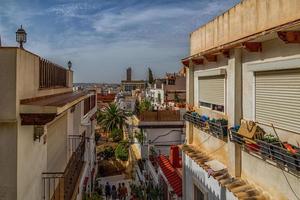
292	160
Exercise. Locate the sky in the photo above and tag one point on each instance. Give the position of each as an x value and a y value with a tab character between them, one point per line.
104	37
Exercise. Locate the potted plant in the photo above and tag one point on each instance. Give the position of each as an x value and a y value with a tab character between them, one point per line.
270	146
218	127
291	155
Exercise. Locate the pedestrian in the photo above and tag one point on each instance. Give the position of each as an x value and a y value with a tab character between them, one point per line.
124	191
114	193
107	191
119	191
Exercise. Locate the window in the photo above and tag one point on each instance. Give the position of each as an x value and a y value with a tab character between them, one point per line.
198	194
277	98
171	81
212	92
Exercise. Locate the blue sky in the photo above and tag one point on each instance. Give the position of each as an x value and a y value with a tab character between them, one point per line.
103	37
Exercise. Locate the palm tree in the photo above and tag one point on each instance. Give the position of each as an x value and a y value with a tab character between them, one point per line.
112	117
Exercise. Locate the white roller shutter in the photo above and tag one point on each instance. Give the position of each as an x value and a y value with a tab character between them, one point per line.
277	97
211	90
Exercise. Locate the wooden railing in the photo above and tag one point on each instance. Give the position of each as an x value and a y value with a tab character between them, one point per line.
61	185
89	103
160	115
51	75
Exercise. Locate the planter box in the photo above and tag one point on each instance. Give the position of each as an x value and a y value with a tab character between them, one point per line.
218	130
195	120
235	137
292	160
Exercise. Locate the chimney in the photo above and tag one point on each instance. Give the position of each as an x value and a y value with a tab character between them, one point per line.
174	156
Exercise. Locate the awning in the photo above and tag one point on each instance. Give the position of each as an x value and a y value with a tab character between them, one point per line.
42	110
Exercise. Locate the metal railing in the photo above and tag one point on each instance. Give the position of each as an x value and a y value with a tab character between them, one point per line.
51	75
273	152
215	129
89	103
61	185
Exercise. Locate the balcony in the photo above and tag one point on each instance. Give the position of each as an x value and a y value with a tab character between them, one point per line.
51	75
280	154
89	103
62	185
215	127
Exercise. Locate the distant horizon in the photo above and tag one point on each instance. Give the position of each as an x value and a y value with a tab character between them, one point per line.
102	38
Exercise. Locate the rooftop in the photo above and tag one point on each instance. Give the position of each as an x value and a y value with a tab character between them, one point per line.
171	174
52	103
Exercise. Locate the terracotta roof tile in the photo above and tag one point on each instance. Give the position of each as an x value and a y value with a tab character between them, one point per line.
171	174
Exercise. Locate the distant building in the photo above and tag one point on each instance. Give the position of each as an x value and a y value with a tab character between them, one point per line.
129	74
175	88
105	99
129	85
46	130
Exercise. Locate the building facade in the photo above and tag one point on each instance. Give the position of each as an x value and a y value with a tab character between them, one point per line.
244	71
46	130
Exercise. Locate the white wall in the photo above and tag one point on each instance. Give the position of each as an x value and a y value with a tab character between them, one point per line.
195	175
175	137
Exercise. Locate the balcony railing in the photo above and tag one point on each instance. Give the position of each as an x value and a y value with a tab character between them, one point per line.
274	153
61	185
89	103
160	115
51	75
217	128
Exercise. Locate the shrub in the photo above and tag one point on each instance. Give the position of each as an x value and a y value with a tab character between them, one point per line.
139	136
97	137
116	135
108	153
122	151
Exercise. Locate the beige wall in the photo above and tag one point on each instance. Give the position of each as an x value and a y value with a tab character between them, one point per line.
245	19
8	84
57	144
28	77
8	161
32	160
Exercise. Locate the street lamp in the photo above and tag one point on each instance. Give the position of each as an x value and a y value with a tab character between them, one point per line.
21	36
69	65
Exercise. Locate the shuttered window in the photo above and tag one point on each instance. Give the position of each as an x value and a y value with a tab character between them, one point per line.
211	90
277	98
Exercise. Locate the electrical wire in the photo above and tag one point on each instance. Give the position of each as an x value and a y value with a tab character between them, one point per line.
288	182
216	149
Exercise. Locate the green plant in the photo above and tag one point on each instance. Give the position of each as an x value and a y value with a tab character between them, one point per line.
145	105
112	117
108	152
94	196
137	107
139	136
159	98
122	150
270	138
138	191
97	137
150	76
155	192
116	135
176	98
